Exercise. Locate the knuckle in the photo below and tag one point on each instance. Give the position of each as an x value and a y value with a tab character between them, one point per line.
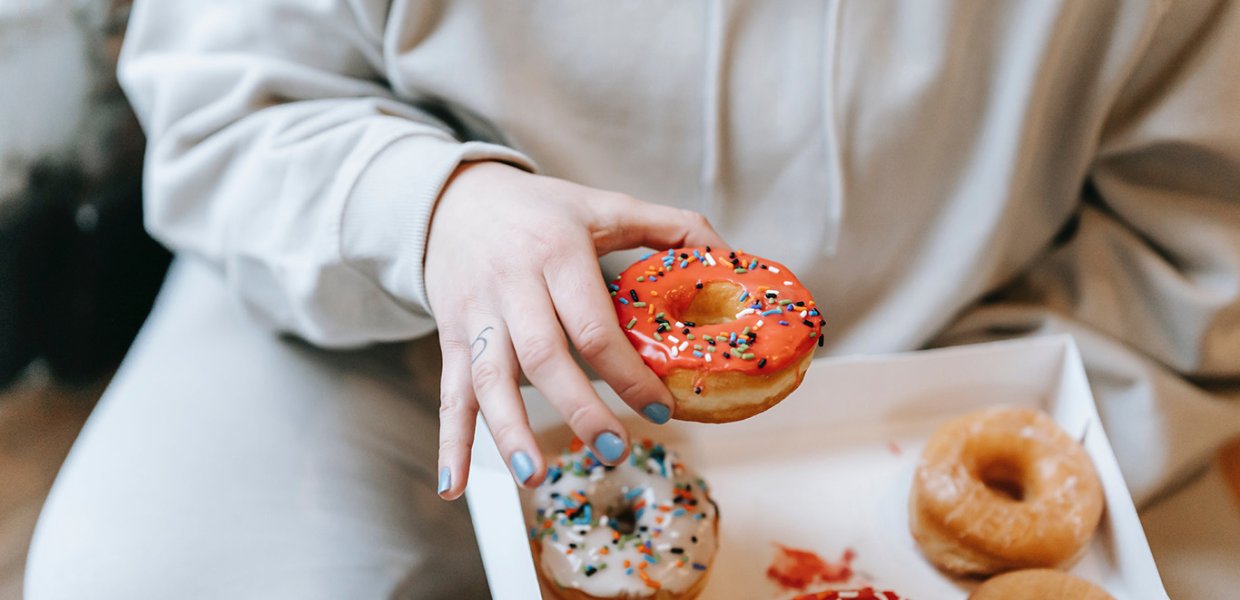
539	352
506	271
486	376
559	265
546	242
452	404
593	339
473	304
632	390
579	417
506	433
624	200
610	208
451	447
695	219
450	313
452	345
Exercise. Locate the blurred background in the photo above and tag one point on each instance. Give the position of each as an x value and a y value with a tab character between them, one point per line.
77	272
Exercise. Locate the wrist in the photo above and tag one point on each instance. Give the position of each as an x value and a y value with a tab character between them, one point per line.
386	219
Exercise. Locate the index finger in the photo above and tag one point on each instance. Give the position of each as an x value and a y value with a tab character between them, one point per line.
585	310
624	222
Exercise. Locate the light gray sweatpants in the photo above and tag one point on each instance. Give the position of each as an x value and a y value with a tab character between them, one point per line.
225	462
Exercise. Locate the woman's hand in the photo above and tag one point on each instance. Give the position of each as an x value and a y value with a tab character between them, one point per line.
511	266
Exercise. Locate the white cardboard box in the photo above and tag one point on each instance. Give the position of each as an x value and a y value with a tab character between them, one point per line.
830	467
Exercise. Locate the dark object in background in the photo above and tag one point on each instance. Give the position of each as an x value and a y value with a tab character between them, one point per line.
78	273
22	224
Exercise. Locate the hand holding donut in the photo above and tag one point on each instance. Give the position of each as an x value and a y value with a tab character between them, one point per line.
511	267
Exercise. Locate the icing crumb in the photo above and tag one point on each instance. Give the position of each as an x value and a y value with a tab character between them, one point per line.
796	569
867	593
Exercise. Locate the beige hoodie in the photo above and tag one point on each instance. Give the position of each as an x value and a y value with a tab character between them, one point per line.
1006	167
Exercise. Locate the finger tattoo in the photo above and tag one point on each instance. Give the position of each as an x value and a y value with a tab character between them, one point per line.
474	346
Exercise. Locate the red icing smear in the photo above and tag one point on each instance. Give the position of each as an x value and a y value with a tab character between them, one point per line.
859	594
797	569
775	347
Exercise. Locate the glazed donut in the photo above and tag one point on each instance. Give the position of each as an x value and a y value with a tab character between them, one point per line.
730	336
643	529
1002	489
1038	584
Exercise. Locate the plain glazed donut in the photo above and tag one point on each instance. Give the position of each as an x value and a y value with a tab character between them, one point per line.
730	336
1002	489
643	529
1038	584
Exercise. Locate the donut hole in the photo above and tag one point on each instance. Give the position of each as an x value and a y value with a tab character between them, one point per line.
1004	477
717	302
615	504
623	519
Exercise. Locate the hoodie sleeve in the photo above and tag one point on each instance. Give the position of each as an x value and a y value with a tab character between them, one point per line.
277	152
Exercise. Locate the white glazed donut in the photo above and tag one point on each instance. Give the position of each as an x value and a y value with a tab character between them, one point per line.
643	529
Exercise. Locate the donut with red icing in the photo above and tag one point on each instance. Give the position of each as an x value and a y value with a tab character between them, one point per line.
730	335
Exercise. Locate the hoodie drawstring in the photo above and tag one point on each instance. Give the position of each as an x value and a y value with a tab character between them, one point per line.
711	111
830	129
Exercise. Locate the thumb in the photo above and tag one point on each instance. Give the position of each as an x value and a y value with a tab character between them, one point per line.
624	222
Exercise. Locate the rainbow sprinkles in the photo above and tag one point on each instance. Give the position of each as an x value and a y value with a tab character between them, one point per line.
772	319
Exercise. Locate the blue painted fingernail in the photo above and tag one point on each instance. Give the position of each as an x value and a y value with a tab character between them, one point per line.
657	413
445	479
522	466
609	446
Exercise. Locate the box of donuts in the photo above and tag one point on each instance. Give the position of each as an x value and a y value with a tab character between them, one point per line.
969	472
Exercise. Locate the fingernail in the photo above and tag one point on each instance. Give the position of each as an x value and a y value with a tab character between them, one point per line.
445	480
522	466
657	413
609	446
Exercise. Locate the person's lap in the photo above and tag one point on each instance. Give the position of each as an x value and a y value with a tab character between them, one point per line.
226	462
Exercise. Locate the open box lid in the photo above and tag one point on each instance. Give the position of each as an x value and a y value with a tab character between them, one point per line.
1045	372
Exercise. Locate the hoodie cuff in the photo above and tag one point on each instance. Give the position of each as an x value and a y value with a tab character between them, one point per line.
388	213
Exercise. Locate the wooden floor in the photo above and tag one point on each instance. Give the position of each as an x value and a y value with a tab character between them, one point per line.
1229	463
38	423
